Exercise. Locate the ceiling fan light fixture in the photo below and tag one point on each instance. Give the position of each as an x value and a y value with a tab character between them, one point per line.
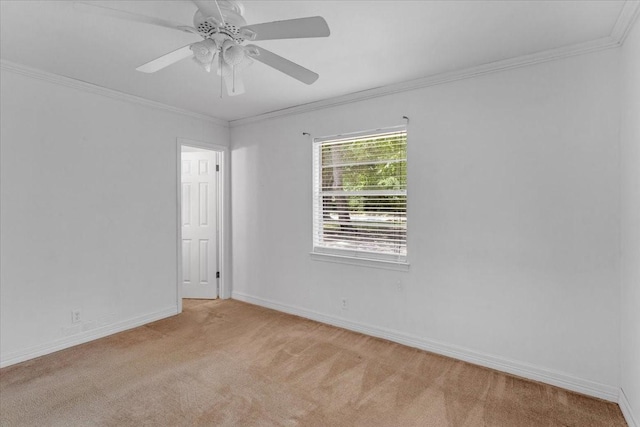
227	70
224	31
203	53
232	53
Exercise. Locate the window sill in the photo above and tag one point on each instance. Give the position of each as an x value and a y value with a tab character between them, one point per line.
363	262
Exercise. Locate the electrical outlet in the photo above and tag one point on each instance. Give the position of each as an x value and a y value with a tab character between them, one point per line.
76	316
344	304
399	286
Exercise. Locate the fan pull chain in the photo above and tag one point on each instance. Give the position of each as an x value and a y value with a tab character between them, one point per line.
221	76
233	70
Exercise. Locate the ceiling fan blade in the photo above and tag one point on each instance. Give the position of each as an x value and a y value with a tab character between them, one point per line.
314	26
209	9
129	16
166	60
281	64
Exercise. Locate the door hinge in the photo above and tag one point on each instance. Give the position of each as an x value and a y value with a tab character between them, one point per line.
217	274
217	168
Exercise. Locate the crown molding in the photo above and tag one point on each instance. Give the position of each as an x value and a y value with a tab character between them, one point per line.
625	21
437	79
103	91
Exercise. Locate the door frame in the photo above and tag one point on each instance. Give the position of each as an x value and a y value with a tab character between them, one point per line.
223	216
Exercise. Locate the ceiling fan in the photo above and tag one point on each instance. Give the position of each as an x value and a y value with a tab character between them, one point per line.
224	31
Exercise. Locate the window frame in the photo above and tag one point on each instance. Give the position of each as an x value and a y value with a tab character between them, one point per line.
351	255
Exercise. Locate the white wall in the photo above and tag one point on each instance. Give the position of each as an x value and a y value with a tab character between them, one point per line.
513	221
88	213
630	227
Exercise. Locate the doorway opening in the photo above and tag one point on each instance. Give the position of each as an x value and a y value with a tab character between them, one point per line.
200	221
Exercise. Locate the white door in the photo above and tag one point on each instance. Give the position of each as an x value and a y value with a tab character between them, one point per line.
199	225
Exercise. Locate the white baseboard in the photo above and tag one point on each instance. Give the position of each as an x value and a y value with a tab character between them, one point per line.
625	407
513	367
61	344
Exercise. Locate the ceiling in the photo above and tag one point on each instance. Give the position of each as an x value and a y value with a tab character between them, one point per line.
372	44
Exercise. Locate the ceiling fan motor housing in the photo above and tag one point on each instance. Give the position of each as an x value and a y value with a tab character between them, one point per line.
224	30
232	12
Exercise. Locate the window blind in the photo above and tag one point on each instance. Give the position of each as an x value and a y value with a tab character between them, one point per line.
360	195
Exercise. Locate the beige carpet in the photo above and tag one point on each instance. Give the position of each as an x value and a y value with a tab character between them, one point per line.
233	364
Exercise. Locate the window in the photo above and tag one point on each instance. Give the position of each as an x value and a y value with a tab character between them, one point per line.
360	195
